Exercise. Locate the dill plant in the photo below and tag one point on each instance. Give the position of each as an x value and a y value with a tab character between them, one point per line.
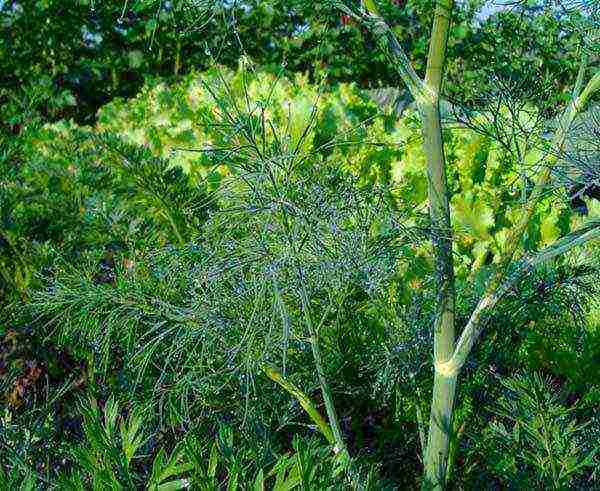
290	241
451	350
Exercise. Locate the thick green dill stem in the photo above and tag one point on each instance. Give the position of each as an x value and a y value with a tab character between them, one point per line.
427	96
444	386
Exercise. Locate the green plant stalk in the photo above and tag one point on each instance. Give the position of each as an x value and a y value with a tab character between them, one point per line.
498	284
427	97
302	399
340	446
313	413
329	405
444	387
394	51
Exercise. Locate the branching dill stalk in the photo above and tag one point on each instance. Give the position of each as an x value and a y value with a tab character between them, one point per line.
444	386
427	95
316	231
448	357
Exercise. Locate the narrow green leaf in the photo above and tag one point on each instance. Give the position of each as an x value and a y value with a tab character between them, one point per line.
303	399
174	485
213	460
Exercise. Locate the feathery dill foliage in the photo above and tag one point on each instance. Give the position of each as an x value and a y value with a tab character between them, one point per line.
578	169
116	449
404	352
513	111
166	192
555	290
537	439
289	240
519	111
545	320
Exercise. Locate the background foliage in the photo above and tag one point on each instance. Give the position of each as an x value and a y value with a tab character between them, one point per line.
66	60
146	269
